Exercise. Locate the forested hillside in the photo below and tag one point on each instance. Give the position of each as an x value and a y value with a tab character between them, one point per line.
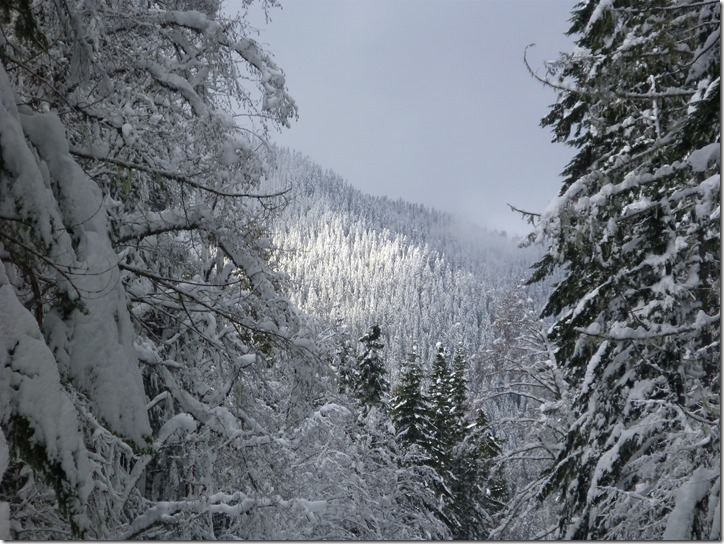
422	275
203	337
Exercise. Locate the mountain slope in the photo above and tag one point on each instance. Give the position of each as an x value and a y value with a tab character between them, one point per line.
422	275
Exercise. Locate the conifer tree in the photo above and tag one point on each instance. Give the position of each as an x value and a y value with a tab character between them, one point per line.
636	234
371	386
344	357
458	392
477	486
410	406
441	416
476	489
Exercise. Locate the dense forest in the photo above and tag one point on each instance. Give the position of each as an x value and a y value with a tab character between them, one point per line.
424	276
205	337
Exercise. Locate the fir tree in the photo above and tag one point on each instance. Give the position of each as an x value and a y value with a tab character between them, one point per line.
635	232
476	489
371	386
477	485
458	392
410	406
441	416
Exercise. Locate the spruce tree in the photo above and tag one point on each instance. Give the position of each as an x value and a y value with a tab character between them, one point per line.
410	406
477	485
458	393
635	233
476	489
371	386
441	416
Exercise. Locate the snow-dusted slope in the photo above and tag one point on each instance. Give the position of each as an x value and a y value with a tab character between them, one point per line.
423	275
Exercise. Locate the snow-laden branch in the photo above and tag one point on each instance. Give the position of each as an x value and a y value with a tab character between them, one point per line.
619	332
275	98
232	505
569	88
175	176
219	419
142	223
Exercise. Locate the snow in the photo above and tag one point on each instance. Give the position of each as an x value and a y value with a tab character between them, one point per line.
680	521
704	55
590	376
28	373
313	506
702	158
179	422
145	222
246	360
95	346
602	6
275	98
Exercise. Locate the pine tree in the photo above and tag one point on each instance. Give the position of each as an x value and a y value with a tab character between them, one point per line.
488	450
636	233
345	365
371	386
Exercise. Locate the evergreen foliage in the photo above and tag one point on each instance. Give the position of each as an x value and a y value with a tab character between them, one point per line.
458	393
410	407
477	485
636	233
442	415
371	386
419	273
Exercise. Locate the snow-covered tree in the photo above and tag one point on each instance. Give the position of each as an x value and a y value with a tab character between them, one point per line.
476	482
410	407
166	371
370	384
458	392
419	273
636	234
517	379
442	419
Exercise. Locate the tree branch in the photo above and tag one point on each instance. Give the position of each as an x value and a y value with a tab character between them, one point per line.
175	177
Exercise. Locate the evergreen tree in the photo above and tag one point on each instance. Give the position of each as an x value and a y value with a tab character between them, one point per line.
488	450
371	386
476	489
477	485
636	234
345	365
441	416
458	393
410	408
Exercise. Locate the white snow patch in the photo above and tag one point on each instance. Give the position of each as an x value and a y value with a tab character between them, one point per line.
93	347
681	519
30	388
707	155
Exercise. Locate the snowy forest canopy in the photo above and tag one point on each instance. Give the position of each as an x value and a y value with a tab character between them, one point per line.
204	337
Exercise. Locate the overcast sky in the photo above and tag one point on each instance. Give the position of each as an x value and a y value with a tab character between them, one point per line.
428	100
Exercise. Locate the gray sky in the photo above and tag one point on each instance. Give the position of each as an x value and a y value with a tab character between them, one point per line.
428	100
